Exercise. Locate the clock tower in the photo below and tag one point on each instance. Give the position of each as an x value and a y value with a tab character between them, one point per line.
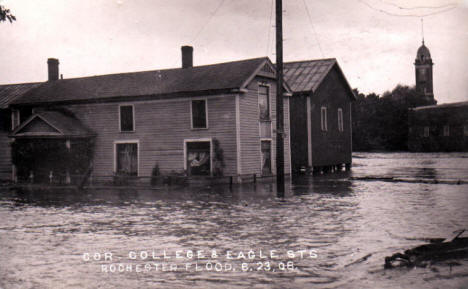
423	68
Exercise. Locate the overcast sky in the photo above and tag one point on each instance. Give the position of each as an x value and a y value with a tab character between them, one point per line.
374	44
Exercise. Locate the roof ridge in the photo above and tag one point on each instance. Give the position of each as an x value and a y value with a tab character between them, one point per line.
22	83
199	79
312	60
165	69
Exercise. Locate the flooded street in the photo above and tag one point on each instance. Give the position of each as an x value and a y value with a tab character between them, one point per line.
330	231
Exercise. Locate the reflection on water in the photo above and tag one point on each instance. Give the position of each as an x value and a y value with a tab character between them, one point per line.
43	234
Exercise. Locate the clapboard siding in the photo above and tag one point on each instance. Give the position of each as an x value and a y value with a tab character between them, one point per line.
331	147
160	128
250	134
5	156
249	130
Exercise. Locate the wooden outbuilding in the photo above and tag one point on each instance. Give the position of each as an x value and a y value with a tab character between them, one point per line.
320	110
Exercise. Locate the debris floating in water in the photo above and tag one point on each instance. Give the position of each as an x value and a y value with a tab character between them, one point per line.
437	250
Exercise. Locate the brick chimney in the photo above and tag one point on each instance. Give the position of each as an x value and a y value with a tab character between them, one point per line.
187	56
53	69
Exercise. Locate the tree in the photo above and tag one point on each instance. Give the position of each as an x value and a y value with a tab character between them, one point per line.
381	123
5	15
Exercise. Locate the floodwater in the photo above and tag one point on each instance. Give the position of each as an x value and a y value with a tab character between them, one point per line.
329	231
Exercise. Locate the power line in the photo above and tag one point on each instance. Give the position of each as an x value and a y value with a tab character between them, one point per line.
419	7
203	26
312	26
208	21
408	15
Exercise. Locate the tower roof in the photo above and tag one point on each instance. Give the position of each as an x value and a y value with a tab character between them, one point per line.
423	52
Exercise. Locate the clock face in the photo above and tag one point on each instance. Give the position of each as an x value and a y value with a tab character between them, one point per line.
422	74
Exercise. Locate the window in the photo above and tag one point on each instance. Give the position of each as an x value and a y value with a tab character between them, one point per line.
199	113
465	129
266	157
426	131
15	119
446	130
323	118
264	102
127	158
18	116
5	120
198	158
127	122
340	120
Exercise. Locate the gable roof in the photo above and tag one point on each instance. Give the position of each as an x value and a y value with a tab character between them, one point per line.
57	124
207	78
306	76
10	92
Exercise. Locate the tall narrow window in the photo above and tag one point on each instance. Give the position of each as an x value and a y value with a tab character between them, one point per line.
264	102
323	118
426	131
340	120
465	129
127	118
266	157
446	130
199	111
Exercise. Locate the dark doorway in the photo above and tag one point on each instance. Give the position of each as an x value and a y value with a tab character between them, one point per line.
198	158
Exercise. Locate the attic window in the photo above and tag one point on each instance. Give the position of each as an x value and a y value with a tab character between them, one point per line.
127	122
268	69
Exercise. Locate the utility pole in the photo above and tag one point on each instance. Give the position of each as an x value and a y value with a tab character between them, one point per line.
279	101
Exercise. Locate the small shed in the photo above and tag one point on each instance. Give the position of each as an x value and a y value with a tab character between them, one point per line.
320	110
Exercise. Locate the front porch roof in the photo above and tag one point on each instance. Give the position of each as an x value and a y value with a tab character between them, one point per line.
52	124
